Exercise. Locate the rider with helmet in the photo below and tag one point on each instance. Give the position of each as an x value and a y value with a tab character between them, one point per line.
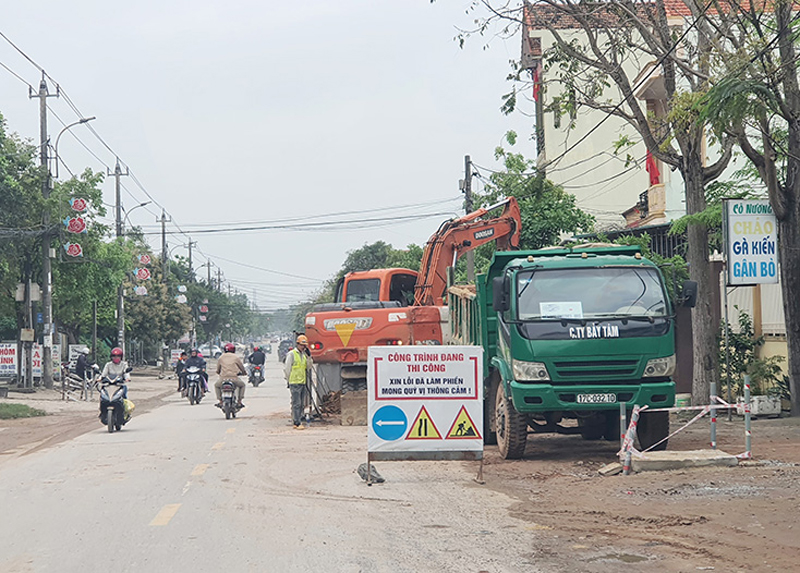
82	366
230	367
115	368
256	358
196	359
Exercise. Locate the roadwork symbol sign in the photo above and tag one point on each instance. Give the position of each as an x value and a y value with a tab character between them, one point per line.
345	331
423	427
463	427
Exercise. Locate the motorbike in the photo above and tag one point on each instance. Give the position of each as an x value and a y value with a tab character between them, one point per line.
193	384
113	411
256	374
229	403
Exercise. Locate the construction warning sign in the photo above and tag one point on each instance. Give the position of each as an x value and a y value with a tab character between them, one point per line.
415	393
463	427
423	428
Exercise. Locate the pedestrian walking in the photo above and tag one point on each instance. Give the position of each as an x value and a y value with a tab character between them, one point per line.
296	370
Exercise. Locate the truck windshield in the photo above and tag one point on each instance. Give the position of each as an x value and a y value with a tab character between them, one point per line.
590	293
362	290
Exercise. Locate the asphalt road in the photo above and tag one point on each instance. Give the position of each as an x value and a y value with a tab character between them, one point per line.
182	489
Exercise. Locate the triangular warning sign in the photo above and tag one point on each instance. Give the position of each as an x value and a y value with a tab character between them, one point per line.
345	331
463	427
423	427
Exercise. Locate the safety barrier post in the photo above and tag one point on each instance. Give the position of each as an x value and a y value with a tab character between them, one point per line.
713	402
747	433
623	425
630	434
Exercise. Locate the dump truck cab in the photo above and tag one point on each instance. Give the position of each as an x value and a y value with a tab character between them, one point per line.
570	333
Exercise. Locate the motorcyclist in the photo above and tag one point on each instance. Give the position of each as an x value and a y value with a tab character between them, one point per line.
196	360
115	368
230	367
82	364
180	366
256	358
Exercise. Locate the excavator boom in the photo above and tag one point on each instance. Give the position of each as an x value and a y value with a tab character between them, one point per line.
458	236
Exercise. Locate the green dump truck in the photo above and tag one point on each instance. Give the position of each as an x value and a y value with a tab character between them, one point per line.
569	334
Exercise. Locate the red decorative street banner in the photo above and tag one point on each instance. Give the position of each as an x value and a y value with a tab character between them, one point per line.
140	290
73	249
144	260
78	204
75	224
142	274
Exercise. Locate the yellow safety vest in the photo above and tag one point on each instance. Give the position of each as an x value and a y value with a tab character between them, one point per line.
298	373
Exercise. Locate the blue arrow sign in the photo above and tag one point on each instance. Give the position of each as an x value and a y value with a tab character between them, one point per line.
389	423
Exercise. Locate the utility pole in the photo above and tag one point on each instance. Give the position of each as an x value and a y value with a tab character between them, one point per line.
94	332
468	209
47	277
191	269
219	279
117	173
208	265
164	222
120	232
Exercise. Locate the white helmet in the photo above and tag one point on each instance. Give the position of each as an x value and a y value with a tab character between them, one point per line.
85	351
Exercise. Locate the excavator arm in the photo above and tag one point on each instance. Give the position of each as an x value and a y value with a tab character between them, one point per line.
458	236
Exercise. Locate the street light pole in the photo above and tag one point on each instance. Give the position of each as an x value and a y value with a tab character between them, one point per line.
55	147
128	213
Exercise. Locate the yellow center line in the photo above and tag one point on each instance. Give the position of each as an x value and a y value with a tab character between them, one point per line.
165	515
230	430
218	446
199	469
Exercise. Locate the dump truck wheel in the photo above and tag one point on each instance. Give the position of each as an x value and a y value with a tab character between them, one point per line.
512	428
653	427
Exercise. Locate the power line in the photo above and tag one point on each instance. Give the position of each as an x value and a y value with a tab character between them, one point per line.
312	225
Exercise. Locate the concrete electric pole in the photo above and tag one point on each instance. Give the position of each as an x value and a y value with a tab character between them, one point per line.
191	269
120	232
47	276
164	253
468	209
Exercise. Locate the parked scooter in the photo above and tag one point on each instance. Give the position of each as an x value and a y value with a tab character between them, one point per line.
229	403
256	374
115	411
193	384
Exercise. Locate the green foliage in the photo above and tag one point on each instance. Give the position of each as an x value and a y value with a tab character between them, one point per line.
13	411
765	373
547	211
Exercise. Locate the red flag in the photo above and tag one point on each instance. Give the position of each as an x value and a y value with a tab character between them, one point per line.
537	80
652	168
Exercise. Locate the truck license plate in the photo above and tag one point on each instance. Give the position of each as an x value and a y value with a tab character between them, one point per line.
597	398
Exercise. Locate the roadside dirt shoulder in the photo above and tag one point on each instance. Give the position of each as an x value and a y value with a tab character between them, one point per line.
723	519
67	419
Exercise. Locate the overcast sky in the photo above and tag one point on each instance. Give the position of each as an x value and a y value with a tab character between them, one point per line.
245	112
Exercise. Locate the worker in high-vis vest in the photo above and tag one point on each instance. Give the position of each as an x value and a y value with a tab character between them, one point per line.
296	370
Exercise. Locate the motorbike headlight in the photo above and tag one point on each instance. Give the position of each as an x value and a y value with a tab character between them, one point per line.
529	371
659	367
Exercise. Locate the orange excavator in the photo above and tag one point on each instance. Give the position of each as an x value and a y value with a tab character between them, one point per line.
399	306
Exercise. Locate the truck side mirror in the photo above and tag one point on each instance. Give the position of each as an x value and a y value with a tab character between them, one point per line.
689	293
500	294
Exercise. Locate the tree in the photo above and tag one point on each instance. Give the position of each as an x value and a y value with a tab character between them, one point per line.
756	99
79	282
547	210
596	72
21	205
